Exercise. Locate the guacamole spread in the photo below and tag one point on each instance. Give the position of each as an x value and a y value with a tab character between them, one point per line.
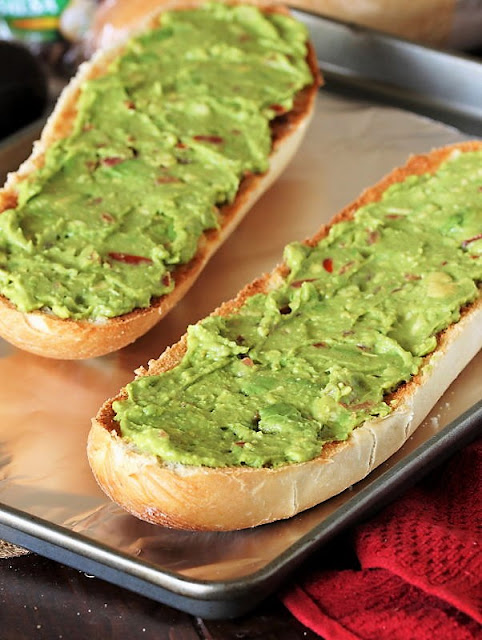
305	364
160	141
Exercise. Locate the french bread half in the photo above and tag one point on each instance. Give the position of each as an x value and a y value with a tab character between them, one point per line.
46	333
225	497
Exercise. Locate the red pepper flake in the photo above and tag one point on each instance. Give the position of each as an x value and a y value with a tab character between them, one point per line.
240	444
91	165
166	279
346	266
212	139
373	236
277	108
181	145
112	161
472	239
393	216
247	361
167	179
107	217
411	277
319	345
328	265
297	283
128	258
129	104
357	407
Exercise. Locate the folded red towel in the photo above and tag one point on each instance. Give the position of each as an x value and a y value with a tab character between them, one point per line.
420	574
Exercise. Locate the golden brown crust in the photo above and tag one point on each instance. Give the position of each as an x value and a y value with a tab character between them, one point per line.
239	497
48	335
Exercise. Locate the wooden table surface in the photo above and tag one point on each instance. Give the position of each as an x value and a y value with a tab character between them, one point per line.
43	600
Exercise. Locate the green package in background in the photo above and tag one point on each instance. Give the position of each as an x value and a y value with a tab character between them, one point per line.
31	21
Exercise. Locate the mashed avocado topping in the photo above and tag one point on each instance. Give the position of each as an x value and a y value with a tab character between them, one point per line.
160	141
306	363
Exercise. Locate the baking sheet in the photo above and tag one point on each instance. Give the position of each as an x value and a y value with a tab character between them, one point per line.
51	502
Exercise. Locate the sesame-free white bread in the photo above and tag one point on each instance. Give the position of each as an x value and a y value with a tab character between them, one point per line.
238	497
45	334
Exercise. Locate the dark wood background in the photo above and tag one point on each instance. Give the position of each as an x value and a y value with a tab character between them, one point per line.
43	600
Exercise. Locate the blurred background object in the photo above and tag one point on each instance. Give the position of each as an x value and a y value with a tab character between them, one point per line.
23	87
52	30
44	41
440	23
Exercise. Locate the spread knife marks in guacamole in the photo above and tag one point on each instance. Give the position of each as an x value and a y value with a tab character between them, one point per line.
160	142
306	363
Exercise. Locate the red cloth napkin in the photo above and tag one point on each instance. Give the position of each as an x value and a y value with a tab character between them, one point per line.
420	566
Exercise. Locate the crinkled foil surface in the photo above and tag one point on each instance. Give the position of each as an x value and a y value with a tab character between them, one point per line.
47	405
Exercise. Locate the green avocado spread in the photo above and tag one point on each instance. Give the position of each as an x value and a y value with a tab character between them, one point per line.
160	142
306	363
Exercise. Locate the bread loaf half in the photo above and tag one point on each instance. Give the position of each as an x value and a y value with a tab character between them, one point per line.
163	489
52	328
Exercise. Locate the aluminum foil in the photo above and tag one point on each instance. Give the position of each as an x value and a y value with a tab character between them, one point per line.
47	405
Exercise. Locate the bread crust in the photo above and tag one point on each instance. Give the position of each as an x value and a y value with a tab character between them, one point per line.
202	498
45	334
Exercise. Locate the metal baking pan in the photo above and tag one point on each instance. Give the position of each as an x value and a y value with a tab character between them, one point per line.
49	500
436	83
